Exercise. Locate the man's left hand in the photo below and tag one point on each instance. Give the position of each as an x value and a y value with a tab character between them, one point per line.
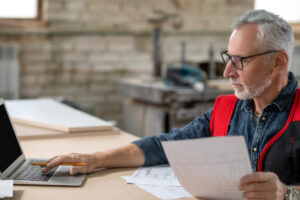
262	185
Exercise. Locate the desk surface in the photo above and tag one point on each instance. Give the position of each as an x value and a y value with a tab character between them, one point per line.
106	184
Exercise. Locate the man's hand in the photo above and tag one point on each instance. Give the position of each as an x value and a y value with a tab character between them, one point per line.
262	185
126	156
88	159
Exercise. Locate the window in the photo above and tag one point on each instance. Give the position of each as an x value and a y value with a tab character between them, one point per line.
290	12
21	12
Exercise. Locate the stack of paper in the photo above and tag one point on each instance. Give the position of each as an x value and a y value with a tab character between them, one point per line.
158	180
51	114
6	188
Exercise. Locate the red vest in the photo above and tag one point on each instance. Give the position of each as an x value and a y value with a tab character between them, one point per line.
282	153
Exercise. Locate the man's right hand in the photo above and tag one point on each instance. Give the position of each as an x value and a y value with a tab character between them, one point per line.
126	156
90	161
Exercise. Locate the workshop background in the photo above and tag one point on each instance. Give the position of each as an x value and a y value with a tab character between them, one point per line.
85	47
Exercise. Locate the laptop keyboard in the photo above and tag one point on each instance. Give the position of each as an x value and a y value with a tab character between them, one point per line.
34	173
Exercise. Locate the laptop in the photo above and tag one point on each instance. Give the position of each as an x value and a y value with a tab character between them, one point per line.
14	165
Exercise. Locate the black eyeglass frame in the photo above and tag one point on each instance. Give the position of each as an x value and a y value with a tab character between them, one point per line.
243	57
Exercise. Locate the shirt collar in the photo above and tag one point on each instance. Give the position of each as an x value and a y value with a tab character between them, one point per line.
282	100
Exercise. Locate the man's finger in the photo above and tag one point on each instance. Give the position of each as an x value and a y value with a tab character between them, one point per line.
256	187
253	195
77	170
59	159
257	177
49	160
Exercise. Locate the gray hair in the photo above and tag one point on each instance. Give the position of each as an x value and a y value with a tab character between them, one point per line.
273	31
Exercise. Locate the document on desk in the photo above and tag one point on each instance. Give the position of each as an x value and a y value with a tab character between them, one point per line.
6	188
210	167
159	181
161	175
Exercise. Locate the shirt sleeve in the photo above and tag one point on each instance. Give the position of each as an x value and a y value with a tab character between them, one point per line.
152	148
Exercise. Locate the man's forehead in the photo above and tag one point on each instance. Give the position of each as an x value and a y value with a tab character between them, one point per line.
243	39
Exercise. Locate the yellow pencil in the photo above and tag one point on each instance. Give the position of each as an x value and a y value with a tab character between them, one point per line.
45	163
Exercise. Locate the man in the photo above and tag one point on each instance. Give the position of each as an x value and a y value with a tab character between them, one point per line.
264	110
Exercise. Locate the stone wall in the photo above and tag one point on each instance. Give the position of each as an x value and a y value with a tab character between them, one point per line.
88	45
132	15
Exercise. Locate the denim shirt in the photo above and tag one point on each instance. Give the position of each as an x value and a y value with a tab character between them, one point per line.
257	131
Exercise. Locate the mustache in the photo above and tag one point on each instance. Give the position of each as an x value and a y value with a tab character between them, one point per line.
234	81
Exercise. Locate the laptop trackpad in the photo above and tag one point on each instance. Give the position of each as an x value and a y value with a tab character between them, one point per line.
62	175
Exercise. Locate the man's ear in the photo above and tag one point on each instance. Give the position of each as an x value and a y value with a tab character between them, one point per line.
281	62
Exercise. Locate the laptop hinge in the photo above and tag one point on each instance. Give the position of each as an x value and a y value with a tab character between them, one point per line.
21	163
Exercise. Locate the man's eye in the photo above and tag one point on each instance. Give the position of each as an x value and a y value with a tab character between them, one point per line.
236	59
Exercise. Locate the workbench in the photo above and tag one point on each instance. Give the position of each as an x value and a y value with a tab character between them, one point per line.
150	107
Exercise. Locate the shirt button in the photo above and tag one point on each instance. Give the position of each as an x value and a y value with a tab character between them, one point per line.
254	149
263	118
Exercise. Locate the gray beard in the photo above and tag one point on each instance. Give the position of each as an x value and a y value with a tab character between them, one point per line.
247	94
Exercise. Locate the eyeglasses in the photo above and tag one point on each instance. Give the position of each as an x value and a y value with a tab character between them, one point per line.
237	61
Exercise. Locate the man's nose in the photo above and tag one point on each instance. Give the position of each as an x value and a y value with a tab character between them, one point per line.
230	70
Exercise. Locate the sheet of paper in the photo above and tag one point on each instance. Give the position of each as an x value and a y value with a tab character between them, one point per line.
161	175
6	188
166	192
210	167
159	181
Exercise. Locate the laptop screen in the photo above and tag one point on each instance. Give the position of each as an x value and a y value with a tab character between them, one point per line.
9	145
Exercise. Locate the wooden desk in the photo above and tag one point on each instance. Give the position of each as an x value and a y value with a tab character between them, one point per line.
104	185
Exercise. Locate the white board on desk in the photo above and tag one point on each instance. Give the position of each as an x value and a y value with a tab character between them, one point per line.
25	132
48	113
